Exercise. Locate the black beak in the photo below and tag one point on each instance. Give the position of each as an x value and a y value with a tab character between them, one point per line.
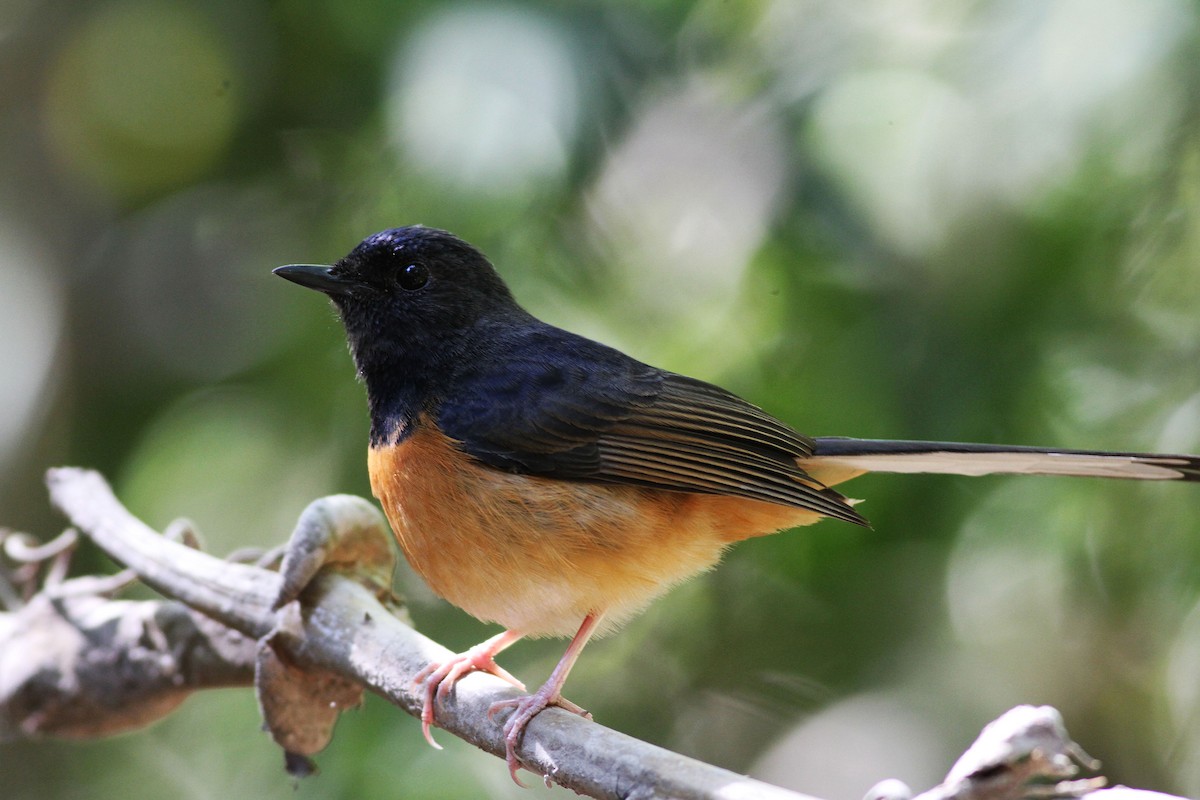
314	276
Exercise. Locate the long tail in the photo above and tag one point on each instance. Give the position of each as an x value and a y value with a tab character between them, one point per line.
951	458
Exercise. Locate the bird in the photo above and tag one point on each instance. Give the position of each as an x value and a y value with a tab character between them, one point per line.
554	485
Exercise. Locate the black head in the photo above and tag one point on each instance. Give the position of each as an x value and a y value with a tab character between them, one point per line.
408	289
412	277
416	303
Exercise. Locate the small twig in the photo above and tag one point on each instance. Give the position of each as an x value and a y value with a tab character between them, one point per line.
30	556
95	585
24	548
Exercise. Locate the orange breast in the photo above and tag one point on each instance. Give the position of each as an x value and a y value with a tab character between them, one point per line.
537	555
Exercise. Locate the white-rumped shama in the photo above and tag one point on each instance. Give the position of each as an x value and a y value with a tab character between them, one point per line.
537	479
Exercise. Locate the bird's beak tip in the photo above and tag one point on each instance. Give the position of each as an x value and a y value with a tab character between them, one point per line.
314	276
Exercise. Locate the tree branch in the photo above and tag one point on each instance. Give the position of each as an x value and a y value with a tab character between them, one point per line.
324	627
339	625
75	664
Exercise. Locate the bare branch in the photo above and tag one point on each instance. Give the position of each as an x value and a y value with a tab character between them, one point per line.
75	664
340	627
1025	744
324	628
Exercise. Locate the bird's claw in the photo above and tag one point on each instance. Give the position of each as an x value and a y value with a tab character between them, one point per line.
525	709
439	680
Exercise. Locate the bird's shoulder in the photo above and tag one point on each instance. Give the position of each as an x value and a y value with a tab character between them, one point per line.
536	398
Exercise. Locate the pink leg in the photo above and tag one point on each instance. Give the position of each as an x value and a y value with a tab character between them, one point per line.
440	678
550	694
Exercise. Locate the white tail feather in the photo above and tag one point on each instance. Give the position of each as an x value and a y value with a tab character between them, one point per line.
1015	463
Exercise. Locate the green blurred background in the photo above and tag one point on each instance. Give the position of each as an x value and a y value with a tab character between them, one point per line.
891	218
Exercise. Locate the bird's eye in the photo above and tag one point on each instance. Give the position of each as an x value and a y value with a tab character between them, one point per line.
413	277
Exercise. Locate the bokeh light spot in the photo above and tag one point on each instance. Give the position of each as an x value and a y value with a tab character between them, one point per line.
1006	580
30	328
828	754
485	98
898	141
142	98
686	199
680	209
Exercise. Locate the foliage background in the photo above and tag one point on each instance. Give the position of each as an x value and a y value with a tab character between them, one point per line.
893	218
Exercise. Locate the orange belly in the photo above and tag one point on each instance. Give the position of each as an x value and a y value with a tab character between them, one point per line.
536	554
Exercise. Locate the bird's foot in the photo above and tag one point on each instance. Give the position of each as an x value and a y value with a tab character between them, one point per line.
524	710
439	678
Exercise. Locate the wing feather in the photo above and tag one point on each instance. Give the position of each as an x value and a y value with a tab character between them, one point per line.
561	406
